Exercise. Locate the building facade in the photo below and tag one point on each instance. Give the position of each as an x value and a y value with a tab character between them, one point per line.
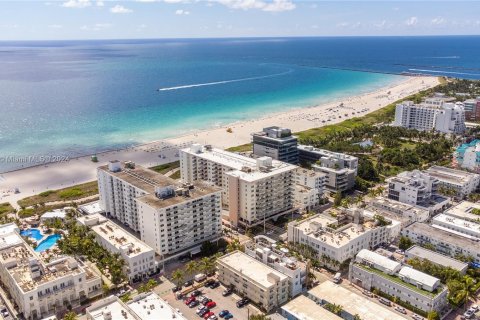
461	182
472	109
445	117
276	143
468	155
263	285
405	213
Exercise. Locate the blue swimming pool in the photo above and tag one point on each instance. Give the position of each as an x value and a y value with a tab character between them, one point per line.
32	233
49	241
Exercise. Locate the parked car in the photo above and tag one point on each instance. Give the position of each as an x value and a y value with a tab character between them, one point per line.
211	304
228	316
175	289
193	304
214	317
417	317
188	283
209	282
242	302
208	315
205	301
469	314
385	302
188	300
214	285
227	292
203	312
223	313
200	277
200	309
401	309
196	293
367	293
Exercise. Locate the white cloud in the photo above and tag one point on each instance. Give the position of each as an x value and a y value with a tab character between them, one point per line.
438	21
272	6
96	27
77	4
120	9
175	1
412	21
55	26
182	12
381	24
100	3
343	24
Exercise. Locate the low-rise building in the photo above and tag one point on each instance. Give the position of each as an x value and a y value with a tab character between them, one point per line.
335	240
304	308
465	210
40	289
145	306
340	169
436	258
352	303
263	285
417	188
139	258
276	143
448	243
403	212
253	189
371	270
461	182
462	227
467	155
267	251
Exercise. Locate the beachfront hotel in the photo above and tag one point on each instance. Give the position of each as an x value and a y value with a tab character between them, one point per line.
420	290
340	169
39	289
171	217
441	116
335	240
253	189
276	143
265	286
139	258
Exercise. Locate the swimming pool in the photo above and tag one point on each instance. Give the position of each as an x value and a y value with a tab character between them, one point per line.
32	233
49	241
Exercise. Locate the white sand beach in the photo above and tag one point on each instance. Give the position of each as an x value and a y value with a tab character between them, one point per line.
34	180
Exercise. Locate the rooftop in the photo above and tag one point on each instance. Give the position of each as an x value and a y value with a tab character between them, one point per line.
443	236
111	308
327	153
56	213
243	167
377	259
352	302
449	175
120	238
151	306
465	210
462	227
91	208
396	206
251	268
306	309
418	276
435	257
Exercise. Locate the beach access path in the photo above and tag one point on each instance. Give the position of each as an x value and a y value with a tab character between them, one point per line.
31	181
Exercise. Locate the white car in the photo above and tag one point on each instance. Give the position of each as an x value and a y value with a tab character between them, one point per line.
401	309
474	308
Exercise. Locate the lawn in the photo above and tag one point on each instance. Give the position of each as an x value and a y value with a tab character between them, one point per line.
164	168
67	194
5	208
242	148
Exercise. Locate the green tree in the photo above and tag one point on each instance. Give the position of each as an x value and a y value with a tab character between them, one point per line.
259	317
178	276
433	315
191	267
70	316
405	243
461	291
338	199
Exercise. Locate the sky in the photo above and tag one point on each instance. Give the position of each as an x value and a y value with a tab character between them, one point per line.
108	19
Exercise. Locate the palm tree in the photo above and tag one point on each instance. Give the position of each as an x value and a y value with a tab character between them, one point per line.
461	291
178	277
191	267
70	316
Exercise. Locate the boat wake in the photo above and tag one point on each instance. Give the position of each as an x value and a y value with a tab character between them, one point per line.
225	81
446	72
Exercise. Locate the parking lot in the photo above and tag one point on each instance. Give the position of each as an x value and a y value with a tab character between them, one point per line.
228	303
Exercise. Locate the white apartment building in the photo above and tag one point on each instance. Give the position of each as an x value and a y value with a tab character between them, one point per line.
436	258
446	242
146	306
39	289
417	188
445	117
372	270
462	227
263	285
267	251
462	182
340	169
336	240
253	189
465	210
139	258
179	218
309	188
405	213
171	217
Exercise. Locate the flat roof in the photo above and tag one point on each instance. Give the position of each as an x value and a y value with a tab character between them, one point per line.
120	238
352	302
464	210
326	153
436	258
461	225
91	208
449	175
378	259
151	306
56	213
111	308
443	236
306	309
251	268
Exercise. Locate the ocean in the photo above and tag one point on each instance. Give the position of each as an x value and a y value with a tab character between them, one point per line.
75	98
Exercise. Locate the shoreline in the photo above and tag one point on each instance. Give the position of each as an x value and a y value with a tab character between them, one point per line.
56	175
